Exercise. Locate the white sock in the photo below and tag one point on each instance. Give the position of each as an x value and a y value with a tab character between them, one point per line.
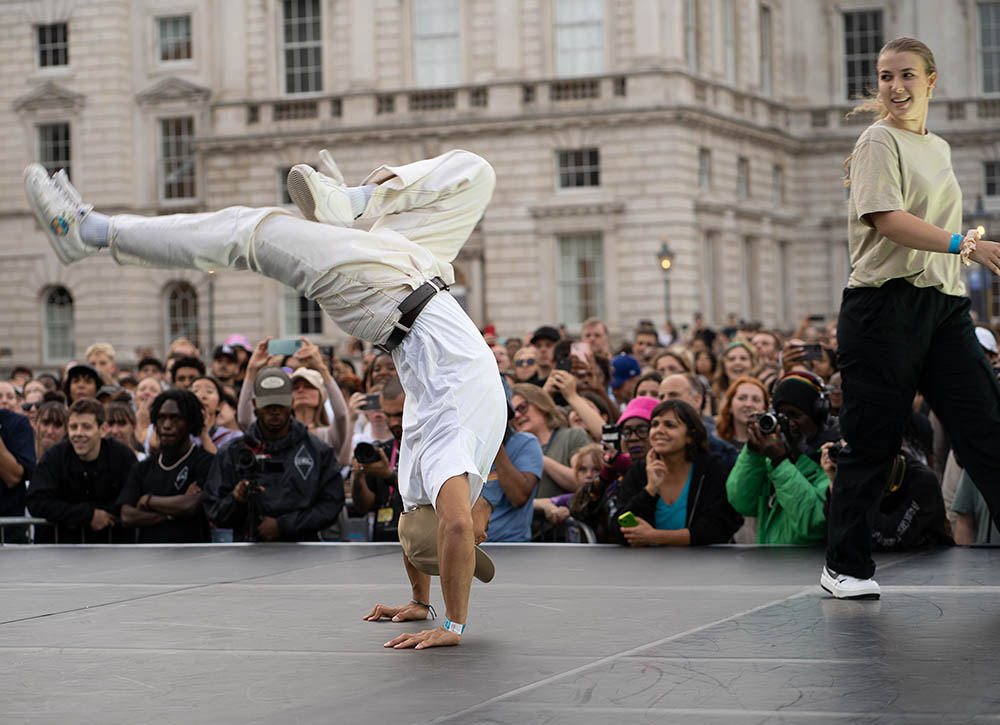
359	196
94	229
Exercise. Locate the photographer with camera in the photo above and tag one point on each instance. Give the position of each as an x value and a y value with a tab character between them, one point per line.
777	477
374	486
279	481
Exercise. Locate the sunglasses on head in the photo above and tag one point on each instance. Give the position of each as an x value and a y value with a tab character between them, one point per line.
524	362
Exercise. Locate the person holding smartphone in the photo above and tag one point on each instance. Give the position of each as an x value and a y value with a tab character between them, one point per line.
677	495
904	320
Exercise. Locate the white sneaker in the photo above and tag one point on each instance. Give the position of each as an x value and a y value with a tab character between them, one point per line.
843	586
58	208
321	197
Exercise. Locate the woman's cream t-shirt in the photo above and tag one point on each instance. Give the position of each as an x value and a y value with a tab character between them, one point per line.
892	169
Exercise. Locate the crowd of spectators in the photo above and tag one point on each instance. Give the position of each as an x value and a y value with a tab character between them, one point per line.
668	437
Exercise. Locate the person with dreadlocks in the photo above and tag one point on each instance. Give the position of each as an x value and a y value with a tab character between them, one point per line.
162	497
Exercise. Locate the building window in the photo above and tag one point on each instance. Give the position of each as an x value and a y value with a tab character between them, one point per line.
729	38
991	176
579	167
303	46
579	37
704	169
54	147
581	278
712	287
437	57
750	276
862	42
743	177
182	312
53	45
175	37
284	198
777	184
784	283
302	315
765	50
989	41
176	158
691	34
59	342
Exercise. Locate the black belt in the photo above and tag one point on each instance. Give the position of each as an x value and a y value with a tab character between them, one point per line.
409	309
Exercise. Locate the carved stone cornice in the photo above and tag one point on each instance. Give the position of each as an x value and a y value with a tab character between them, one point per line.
575	209
46	96
173	89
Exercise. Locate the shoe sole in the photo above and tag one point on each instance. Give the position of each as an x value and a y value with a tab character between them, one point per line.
40	215
301	193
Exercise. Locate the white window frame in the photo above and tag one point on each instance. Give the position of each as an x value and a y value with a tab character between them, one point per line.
705	168
49	325
991	174
729	39
871	56
164	161
287	47
691	35
588	169
437	43
989	47
575	53
160	39
293	315
51	46
53	163
742	177
180	287
766	50
571	250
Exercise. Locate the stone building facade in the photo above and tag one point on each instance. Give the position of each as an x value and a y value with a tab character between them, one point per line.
615	126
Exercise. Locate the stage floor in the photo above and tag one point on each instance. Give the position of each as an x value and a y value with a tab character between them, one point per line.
564	634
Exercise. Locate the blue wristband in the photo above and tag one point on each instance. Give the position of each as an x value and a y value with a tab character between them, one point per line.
956	242
453	627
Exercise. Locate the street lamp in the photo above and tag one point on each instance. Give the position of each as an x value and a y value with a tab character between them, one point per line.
666	259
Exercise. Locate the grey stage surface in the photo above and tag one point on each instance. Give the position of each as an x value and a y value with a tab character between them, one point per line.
564	634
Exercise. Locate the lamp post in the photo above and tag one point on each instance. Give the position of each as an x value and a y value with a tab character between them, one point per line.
666	259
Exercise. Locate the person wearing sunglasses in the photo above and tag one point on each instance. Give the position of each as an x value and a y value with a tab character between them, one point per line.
526	365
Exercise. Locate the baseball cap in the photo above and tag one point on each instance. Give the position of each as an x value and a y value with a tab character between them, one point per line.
623	367
238	341
986	339
546	332
639	407
272	387
418	537
226	350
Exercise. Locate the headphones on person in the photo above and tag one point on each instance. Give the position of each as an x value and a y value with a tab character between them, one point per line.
821	406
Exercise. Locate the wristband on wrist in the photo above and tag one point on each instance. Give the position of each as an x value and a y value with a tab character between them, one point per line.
455	627
956	243
428	607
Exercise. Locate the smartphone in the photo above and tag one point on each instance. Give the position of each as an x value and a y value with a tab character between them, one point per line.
580	350
372	402
564	364
627	520
812	352
817	318
610	435
286	346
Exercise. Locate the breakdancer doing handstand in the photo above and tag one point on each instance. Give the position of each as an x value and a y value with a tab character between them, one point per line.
387	285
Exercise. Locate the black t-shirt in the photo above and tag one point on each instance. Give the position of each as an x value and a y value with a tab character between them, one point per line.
150	477
387	497
15	430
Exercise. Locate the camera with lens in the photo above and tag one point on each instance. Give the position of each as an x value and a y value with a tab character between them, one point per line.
834	451
366	453
250	466
771	422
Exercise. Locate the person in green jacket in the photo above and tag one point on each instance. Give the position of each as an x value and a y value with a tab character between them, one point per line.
777	476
